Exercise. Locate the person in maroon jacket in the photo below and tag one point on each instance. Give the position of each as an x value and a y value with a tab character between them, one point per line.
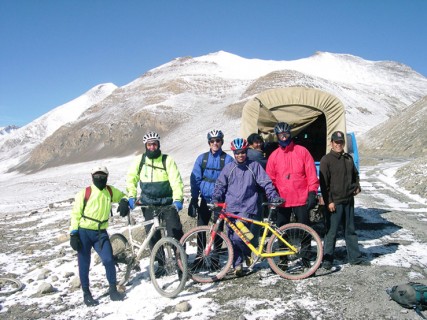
339	183
293	172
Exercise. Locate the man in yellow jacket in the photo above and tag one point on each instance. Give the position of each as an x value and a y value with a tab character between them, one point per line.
89	222
161	185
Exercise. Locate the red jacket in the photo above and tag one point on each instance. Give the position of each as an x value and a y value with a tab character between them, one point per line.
293	173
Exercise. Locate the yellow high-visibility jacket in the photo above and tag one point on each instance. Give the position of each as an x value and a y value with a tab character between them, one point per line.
97	207
158	186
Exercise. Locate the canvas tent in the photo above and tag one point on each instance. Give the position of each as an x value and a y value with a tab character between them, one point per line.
313	115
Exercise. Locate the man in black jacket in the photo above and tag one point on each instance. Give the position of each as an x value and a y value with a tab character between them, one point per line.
339	183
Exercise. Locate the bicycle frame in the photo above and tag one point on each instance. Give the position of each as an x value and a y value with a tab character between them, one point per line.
225	216
141	247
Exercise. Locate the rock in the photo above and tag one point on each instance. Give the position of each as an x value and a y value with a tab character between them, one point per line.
55	278
45	288
183	307
75	283
68	274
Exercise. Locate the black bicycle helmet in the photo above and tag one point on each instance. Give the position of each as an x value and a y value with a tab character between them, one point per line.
282	127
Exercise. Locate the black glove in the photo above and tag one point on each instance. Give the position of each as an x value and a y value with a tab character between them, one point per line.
193	207
75	242
311	200
123	207
277	200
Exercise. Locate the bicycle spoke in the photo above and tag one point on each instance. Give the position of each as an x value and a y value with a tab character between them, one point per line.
211	266
168	271
305	261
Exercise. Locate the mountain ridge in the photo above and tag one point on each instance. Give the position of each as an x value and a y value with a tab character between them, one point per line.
188	96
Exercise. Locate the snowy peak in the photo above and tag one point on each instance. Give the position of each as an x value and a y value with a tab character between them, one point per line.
187	96
20	142
7	130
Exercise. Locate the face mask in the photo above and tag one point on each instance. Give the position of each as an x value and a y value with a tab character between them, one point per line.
100	181
284	143
153	154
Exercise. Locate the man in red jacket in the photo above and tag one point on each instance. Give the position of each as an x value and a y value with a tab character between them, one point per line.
293	172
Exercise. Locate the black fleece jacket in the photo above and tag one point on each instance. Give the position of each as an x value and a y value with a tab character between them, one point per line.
338	177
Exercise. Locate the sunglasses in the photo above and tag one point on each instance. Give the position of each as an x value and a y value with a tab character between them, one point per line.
283	135
215	140
239	152
100	176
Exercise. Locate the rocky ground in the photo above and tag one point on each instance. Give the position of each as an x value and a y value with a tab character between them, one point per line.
390	225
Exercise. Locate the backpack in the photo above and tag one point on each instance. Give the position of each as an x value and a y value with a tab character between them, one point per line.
88	192
410	295
164	156
205	161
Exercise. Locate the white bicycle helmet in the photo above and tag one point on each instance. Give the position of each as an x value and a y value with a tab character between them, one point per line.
102	169
215	134
151	136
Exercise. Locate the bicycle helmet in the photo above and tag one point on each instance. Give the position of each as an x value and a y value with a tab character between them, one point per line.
151	136
282	127
102	169
239	144
215	134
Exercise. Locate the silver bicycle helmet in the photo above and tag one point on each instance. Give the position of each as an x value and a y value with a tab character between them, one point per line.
151	136
215	134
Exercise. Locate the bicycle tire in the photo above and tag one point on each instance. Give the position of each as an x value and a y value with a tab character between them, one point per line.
123	258
9	286
210	268
168	271
308	258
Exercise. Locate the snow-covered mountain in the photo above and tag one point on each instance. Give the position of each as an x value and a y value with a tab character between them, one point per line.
6	130
186	97
15	146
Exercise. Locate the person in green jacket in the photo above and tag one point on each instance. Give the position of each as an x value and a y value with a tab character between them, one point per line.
161	185
89	223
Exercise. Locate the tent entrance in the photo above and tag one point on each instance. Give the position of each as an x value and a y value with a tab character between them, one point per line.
314	138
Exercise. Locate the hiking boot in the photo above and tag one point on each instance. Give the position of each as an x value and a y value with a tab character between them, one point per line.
327	265
88	299
160	272
238	271
361	263
114	294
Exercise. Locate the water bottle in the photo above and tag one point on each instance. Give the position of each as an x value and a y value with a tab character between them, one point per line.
244	230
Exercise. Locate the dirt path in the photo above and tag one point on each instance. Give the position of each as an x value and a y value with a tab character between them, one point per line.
391	233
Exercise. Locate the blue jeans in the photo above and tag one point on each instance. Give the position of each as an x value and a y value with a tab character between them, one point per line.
344	215
92	239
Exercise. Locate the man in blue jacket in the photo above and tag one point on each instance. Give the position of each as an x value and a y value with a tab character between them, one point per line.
237	186
205	172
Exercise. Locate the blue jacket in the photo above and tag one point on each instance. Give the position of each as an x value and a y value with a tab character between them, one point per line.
237	186
203	185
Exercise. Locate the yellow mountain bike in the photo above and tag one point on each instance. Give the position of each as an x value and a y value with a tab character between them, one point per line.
293	251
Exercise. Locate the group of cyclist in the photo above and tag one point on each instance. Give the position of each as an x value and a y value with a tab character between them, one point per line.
288	176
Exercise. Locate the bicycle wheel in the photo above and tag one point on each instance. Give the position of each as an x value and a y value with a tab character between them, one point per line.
9	286
207	268
301	264
123	257
168	271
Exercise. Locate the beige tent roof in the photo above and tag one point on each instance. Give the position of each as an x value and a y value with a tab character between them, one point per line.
297	106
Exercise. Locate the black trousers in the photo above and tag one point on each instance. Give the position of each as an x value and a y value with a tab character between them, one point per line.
170	217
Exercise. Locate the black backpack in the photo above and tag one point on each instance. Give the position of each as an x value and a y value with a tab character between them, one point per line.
164	157
410	295
205	162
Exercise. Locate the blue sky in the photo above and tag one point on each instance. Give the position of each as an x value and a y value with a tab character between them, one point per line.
52	51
